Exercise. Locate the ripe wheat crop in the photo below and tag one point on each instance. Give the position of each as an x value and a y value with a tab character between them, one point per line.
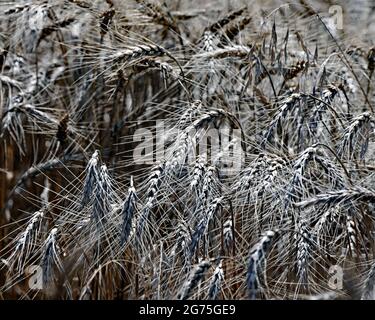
181	150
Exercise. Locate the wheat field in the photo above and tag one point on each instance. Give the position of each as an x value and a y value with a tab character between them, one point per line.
187	150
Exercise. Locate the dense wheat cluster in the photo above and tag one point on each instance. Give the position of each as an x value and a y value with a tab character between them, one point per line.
187	149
